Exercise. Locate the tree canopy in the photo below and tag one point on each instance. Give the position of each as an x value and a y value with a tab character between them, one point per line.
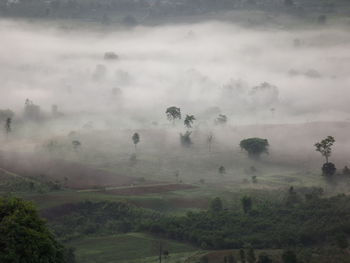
325	147
255	146
24	236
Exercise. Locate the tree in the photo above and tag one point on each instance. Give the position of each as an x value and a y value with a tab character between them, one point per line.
251	255
31	111
342	241
189	121
254	179
24	236
129	21
221	120
242	255
322	19
216	205
246	204
136	139
289	2
222	170
173	113
346	170
5	114
325	147
76	145
231	259
292	197
185	139
8	125
328	169
289	256
210	140
255	146
264	258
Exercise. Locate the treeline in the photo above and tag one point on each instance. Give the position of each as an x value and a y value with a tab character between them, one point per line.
87	218
308	222
105	10
295	221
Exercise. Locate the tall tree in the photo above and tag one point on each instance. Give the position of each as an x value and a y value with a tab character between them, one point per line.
325	147
173	113
8	125
24	236
189	121
136	139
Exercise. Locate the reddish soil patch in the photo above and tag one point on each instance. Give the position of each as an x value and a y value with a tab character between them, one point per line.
79	176
150	189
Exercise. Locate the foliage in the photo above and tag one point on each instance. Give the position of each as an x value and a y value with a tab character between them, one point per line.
24	237
311	222
216	205
221	119
222	170
189	121
185	139
5	114
328	169
325	147
85	218
246	204
173	113
255	146
289	256
136	138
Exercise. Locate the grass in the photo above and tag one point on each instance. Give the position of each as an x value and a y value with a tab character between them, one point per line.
132	247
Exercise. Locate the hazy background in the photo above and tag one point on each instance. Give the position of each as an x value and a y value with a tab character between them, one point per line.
206	69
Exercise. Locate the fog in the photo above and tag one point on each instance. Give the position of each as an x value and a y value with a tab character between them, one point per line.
206	69
193	66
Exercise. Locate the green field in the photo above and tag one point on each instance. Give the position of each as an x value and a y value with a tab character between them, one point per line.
132	247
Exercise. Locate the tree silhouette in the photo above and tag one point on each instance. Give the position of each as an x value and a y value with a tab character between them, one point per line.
8	125
189	121
185	139
173	113
136	139
210	140
325	147
255	146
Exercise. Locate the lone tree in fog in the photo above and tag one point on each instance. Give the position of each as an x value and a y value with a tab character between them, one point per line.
173	113
325	148
255	146
222	170
8	125
189	121
136	139
210	140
